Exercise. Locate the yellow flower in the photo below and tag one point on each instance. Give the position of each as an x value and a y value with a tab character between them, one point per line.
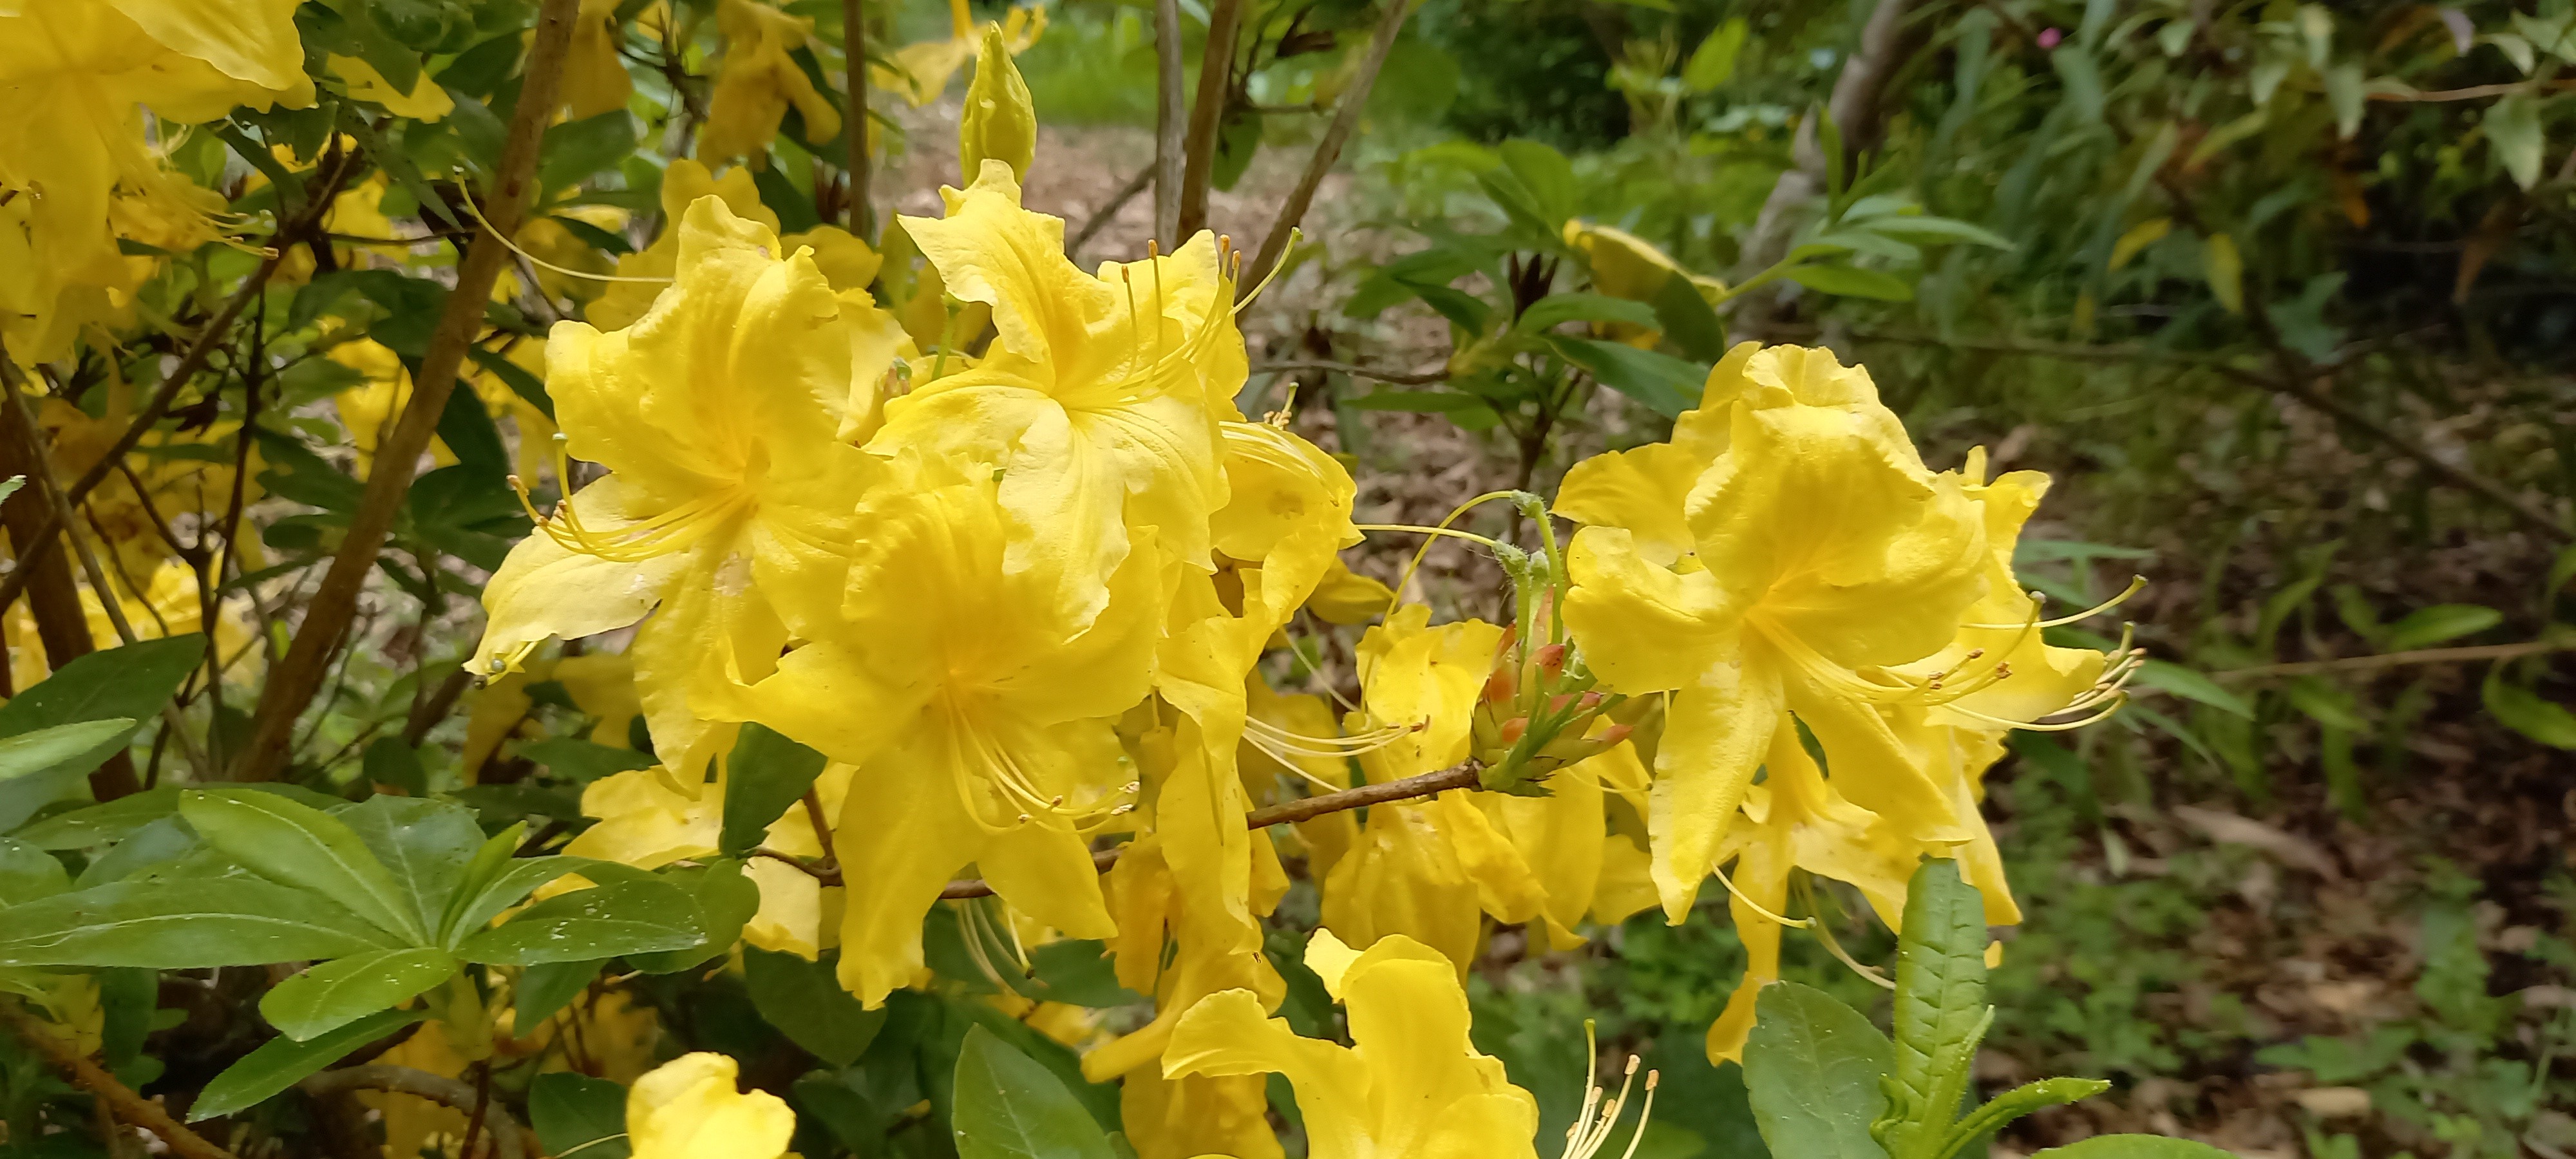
1193	1115
921	71
980	717
847	263
425	102
1624	265
999	121
77	77
594	77
1822	557
688	1108
1411	1087
729	492
647	822
1098	406
757	81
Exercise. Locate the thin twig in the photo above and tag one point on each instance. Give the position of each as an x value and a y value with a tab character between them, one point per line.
1399	377
822	824
2465	655
129	1106
293	682
1207	112
1306	808
1346	120
1171	117
1100	218
507	1135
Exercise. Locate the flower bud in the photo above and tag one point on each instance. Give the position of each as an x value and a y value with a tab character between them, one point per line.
1550	659
1514	729
1000	121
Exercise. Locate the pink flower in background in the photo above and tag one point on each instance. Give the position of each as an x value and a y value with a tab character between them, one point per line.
2049	38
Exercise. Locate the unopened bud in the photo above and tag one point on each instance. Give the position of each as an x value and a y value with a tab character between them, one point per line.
1500	687
1550	659
1514	729
1000	122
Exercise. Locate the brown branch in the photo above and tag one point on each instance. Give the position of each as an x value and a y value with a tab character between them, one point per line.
1346	120
822	825
854	126
1100	218
191	360
121	1099
507	1135
2465	655
1171	116
1855	109
1464	776
292	683
1207	112
2473	92
1399	377
434	708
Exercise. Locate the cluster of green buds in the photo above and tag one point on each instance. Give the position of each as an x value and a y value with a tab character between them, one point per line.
1540	709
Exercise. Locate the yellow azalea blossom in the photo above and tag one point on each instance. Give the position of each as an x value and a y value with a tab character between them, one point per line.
595	80
167	606
1824	556
1560	837
1098	406
727	496
979	715
847	263
757	81
1412	1085
1344	596
77	79
425	102
1198	1114
921	71
1430	869
690	1108
1624	265
1796	820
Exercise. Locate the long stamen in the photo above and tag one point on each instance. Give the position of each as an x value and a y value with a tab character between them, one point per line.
1758	907
2137	583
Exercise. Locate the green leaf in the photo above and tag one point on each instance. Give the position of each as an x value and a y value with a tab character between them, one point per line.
546	988
1941	1012
425	844
2513	130
2191	684
805	1003
474	906
184	924
1009	1107
1853	282
2525	712
1688	321
585	761
306	848
2225	269
281	1062
1813	1069
1936	229
727	898
28	874
56	747
578	1117
128	683
10	485
607	921
1714	60
2134	1147
1664	383
336	993
2425	627
764	777
574	150
527	386
2015	1103
1556	309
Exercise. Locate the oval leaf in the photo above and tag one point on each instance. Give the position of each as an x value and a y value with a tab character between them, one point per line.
2425	627
632	917
282	1062
184	924
337	993
301	846
2134	1147
1812	1069
46	748
1009	1107
764	776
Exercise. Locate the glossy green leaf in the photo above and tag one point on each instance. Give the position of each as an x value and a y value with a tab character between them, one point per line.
608	921
807	1004
1940	1008
48	748
1714	60
426	845
28	874
2013	1104
130	683
1664	383
1812	1069
2513	131
578	1117
2425	627
726	898
585	761
339	992
183	924
1935	230
281	1062
2191	684
765	775
306	848
546	988
1009	1107
1557	309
